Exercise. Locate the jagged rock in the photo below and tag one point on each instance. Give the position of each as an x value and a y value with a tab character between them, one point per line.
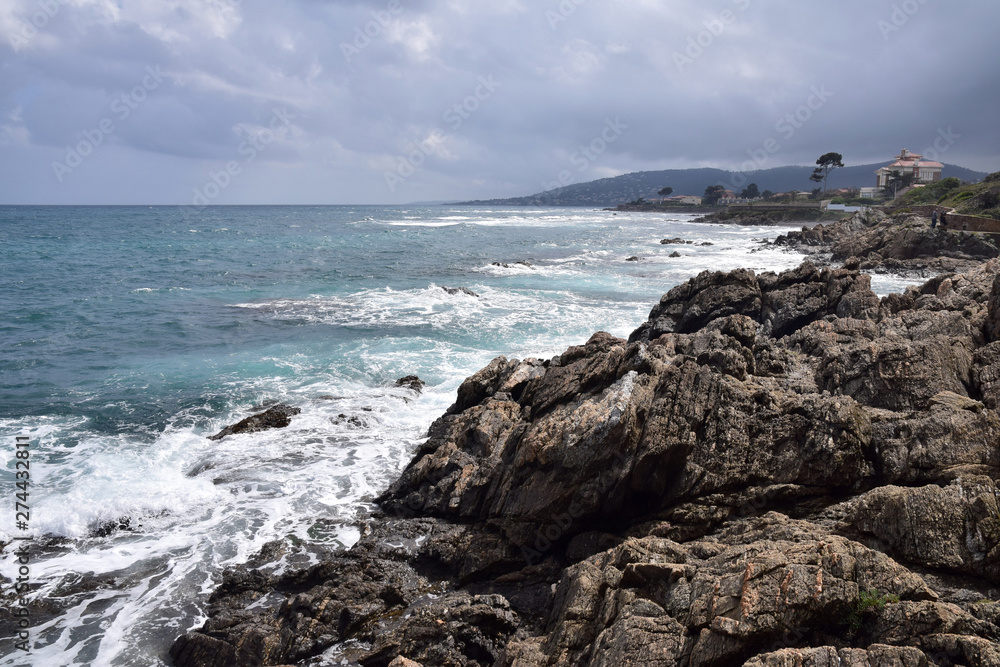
955	528
353	420
740	482
411	381
871	240
455	629
677	240
106	528
953	401
279	416
634	258
692	305
459	290
675	254
876	655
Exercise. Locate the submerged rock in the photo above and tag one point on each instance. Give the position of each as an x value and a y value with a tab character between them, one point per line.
279	416
518	263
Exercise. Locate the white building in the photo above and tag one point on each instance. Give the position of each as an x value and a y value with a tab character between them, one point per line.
685	199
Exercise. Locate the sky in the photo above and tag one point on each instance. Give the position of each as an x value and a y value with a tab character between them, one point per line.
396	101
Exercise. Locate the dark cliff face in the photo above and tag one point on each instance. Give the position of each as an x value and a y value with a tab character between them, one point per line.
773	470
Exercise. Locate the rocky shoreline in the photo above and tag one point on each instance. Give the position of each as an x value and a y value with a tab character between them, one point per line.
876	241
773	470
772	216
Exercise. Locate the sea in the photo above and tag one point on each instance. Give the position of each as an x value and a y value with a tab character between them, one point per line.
131	334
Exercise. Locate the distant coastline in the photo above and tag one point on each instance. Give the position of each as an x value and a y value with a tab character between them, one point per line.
630	187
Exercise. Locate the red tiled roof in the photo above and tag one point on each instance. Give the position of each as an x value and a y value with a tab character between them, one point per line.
916	163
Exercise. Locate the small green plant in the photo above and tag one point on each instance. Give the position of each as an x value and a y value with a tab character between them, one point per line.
869	604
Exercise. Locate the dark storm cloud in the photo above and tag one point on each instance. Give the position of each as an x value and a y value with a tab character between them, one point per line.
402	100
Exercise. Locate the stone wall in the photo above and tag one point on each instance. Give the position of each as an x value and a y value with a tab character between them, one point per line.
959	222
972	223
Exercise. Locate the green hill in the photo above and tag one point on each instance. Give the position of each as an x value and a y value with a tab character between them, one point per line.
629	187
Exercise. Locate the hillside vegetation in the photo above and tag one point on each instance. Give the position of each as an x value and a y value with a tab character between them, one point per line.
981	199
629	187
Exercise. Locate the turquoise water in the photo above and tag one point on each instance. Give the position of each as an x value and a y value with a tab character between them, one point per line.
130	334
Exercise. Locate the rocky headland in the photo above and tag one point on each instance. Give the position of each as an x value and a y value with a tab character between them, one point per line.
881	242
775	470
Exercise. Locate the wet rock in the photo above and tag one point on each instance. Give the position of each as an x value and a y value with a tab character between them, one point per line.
411	381
677	240
634	258
460	290
107	528
278	416
518	263
353	420
675	254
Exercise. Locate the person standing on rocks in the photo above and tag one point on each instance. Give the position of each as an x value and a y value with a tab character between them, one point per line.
944	219
934	219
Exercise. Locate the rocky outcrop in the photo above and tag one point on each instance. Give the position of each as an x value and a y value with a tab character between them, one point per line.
412	382
875	241
459	290
278	416
774	469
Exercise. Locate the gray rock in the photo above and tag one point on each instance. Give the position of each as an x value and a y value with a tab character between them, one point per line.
775	469
279	416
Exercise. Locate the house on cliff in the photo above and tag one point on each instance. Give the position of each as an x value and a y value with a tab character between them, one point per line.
923	171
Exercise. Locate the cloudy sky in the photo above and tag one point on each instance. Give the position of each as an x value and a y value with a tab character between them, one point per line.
393	101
